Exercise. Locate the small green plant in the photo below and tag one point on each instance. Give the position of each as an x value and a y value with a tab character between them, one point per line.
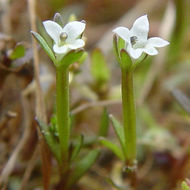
131	47
66	50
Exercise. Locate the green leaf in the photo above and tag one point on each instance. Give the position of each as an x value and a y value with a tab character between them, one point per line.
104	125
77	148
99	68
70	58
50	140
126	61
119	132
82	166
113	147
45	46
18	52
185	186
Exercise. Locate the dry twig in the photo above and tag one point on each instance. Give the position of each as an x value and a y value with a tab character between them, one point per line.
40	106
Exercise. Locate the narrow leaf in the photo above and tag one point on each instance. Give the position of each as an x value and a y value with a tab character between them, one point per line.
18	52
104	125
119	131
83	166
50	140
77	148
113	147
44	45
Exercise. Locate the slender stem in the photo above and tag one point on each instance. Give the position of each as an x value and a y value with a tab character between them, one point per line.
129	116
62	106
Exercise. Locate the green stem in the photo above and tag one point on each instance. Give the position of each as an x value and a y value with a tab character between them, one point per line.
129	116
62	106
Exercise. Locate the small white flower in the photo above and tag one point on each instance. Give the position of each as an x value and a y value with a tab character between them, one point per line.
66	38
137	40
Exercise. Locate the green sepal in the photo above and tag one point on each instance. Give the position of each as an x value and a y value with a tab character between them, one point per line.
82	166
50	139
120	44
119	132
126	62
104	124
138	61
77	148
184	186
113	147
44	45
70	58
18	52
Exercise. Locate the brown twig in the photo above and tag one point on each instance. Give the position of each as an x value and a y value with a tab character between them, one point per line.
30	168
94	104
27	131
40	106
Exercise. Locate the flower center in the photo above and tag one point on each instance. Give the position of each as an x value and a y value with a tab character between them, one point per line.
136	43
63	36
133	39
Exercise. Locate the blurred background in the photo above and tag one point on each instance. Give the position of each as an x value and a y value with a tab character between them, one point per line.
162	89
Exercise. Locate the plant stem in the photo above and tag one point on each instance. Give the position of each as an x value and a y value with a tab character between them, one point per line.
62	106
129	116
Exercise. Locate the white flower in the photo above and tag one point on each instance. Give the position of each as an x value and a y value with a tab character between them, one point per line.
66	38
137	40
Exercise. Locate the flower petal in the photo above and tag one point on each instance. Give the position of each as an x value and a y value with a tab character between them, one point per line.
53	29
140	28
77	44
123	32
74	30
157	42
60	49
134	53
150	50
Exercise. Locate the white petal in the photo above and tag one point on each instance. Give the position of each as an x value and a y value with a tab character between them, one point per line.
151	51
123	32
157	42
140	28
74	29
77	44
134	53
53	29
60	49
